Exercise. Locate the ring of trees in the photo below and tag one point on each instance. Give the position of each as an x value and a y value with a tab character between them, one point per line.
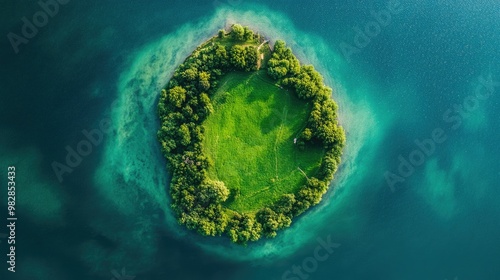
185	103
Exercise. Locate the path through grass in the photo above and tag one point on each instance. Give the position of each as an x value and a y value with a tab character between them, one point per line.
250	139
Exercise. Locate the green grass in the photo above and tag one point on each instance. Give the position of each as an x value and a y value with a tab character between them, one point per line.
250	140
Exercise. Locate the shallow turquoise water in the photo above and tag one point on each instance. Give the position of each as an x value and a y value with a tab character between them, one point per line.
106	61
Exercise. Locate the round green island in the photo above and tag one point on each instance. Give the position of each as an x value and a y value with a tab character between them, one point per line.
250	135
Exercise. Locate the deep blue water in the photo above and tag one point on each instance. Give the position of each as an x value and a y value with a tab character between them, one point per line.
95	61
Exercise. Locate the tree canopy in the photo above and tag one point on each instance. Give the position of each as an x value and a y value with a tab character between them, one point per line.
238	32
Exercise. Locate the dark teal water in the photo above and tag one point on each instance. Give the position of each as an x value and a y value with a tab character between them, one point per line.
432	68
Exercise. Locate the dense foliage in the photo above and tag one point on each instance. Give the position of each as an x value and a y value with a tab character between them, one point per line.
186	102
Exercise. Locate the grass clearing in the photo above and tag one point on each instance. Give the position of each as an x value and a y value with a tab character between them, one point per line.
250	140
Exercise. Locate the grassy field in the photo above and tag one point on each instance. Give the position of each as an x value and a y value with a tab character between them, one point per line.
250	139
